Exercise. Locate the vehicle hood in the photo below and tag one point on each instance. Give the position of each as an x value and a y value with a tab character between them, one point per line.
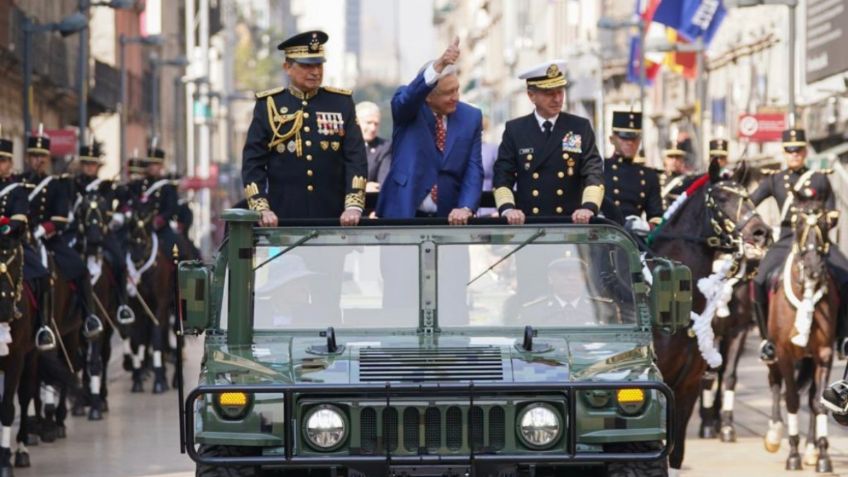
413	358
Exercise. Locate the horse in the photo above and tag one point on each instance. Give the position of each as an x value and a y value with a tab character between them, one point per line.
731	325
802	319
717	217
150	271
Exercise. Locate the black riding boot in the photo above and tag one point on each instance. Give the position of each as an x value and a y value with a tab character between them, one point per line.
767	349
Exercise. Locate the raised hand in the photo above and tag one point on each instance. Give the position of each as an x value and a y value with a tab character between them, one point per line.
449	57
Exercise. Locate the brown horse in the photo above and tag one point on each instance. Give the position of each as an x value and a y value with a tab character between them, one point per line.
151	273
802	319
717	218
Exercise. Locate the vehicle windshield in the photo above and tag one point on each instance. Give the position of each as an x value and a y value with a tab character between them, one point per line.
480	280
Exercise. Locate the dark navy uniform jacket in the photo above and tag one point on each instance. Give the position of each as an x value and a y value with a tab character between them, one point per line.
779	185
633	188
304	156
554	176
672	185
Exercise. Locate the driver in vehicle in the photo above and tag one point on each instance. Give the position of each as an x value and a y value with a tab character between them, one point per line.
569	301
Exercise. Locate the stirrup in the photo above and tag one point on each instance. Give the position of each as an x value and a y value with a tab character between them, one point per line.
835	397
92	327
45	339
767	352
125	315
842	348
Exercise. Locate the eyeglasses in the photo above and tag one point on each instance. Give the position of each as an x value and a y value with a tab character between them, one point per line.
793	149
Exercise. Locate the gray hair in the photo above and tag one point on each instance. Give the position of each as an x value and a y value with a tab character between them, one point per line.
366	108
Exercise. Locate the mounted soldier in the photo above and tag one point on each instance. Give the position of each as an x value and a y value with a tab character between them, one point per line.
676	178
93	195
49	209
156	193
784	187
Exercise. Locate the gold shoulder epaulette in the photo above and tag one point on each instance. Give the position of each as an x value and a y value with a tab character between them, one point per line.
269	92
343	91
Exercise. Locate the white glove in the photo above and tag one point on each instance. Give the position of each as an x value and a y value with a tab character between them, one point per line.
118	220
637	225
39	232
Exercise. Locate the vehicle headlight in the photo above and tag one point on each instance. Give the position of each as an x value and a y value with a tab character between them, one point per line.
630	400
598	398
233	405
539	426
325	427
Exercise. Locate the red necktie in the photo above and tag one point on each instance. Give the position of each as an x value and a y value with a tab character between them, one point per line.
441	134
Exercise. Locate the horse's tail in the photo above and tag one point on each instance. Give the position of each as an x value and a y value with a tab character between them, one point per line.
54	372
805	369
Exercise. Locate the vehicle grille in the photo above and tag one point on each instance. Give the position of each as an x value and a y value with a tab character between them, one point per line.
439	364
432	429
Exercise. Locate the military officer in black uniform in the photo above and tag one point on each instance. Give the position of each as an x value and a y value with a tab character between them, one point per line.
675	179
548	156
785	186
304	156
633	187
13	227
86	182
719	152
49	208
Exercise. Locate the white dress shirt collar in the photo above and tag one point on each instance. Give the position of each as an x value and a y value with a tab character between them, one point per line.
542	120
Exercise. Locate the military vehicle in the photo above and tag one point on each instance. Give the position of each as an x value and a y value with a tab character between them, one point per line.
421	349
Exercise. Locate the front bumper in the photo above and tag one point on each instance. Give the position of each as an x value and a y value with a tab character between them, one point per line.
387	463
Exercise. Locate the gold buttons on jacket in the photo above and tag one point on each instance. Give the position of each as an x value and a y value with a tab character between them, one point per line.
305	103
308	143
310	188
306	115
309	172
615	178
560	174
641	194
642	182
309	157
565	155
617	202
535	175
306	129
535	193
529	157
559	210
559	192
535	210
615	191
615	167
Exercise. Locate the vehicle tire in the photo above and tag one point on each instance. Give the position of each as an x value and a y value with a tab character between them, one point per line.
226	471
655	468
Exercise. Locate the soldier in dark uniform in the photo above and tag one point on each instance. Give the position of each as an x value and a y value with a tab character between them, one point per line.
719	152
304	156
784	187
86	182
548	156
675	179
633	187
13	226
568	301
157	194
49	208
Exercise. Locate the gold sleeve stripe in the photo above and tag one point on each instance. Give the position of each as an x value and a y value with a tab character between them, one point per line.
57	218
504	195
258	204
19	217
593	194
251	189
356	199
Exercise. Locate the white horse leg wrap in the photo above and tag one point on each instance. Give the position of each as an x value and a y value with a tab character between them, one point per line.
708	398
138	357
49	396
94	385
6	437
22	448
31	408
821	425
727	401
792	424
157	359
127	346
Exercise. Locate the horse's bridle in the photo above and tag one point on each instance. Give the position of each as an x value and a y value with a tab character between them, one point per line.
811	225
144	238
92	215
728	229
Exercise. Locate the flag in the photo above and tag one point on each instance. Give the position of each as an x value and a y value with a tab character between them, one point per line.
693	19
682	63
652	63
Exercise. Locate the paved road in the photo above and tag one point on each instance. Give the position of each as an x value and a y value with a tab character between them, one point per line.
139	437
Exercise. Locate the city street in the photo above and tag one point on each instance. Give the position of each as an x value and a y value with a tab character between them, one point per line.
139	436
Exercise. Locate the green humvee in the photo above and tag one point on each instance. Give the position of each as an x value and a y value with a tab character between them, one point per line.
429	350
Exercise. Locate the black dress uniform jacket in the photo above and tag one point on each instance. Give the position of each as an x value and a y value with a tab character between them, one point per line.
159	197
304	156
672	185
555	176
49	207
633	188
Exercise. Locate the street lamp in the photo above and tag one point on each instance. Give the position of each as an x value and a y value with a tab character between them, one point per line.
792	4
157	63
123	40
69	25
82	60
607	23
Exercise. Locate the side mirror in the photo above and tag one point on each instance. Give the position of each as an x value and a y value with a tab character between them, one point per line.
671	295
194	296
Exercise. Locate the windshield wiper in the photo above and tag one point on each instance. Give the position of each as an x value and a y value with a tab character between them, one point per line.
311	235
523	244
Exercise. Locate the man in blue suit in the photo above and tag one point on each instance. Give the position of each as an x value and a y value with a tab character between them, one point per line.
436	166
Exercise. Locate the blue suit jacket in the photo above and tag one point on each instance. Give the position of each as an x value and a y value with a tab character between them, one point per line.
416	163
